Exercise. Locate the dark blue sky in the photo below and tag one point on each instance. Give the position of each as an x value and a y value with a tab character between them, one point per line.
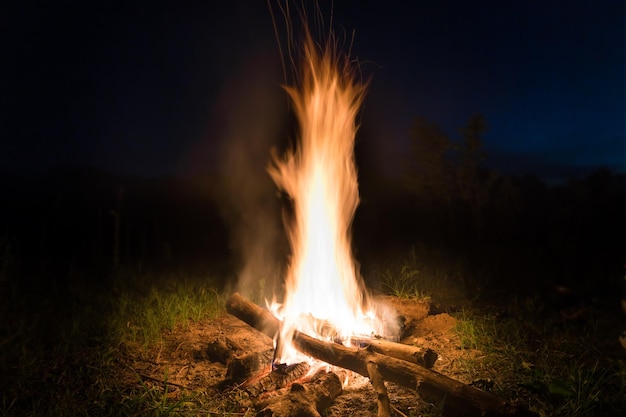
152	88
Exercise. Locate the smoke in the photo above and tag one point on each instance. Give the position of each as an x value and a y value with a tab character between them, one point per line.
250	118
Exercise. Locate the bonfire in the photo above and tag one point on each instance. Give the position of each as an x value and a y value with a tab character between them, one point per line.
327	316
324	292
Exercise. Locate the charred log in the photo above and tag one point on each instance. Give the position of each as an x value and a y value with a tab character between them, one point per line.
242	368
219	350
276	379
306	400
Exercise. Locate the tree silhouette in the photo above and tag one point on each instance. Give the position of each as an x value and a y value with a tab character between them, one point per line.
429	170
447	179
474	184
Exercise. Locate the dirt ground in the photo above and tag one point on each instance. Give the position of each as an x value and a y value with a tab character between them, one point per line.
195	359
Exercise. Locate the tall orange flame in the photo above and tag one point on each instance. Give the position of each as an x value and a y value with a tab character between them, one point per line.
323	287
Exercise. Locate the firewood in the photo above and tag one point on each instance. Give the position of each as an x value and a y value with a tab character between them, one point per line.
425	357
306	400
381	391
264	321
281	377
241	368
458	399
255	316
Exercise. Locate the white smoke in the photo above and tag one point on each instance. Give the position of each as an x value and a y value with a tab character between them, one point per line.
251	114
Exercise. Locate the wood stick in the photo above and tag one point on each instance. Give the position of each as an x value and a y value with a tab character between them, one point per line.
161	381
458	399
382	398
252	314
425	357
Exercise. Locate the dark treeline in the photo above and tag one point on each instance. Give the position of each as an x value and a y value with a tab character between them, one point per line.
497	230
82	221
506	231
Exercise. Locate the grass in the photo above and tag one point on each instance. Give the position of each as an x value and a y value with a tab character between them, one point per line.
60	345
140	317
410	279
562	368
525	351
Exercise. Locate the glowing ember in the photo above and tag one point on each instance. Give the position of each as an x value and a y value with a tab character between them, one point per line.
324	293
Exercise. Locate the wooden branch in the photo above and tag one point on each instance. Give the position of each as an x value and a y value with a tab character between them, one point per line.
255	316
264	321
381	391
458	399
425	357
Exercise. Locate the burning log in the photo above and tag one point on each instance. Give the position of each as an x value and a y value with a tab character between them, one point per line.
266	323
458	399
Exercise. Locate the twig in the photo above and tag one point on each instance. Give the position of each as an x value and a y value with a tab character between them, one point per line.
179	345
161	381
395	410
216	413
184	368
154	379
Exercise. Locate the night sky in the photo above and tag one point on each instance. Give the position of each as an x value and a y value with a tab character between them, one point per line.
161	88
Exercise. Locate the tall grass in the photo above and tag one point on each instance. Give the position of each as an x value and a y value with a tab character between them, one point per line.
405	279
172	301
421	274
